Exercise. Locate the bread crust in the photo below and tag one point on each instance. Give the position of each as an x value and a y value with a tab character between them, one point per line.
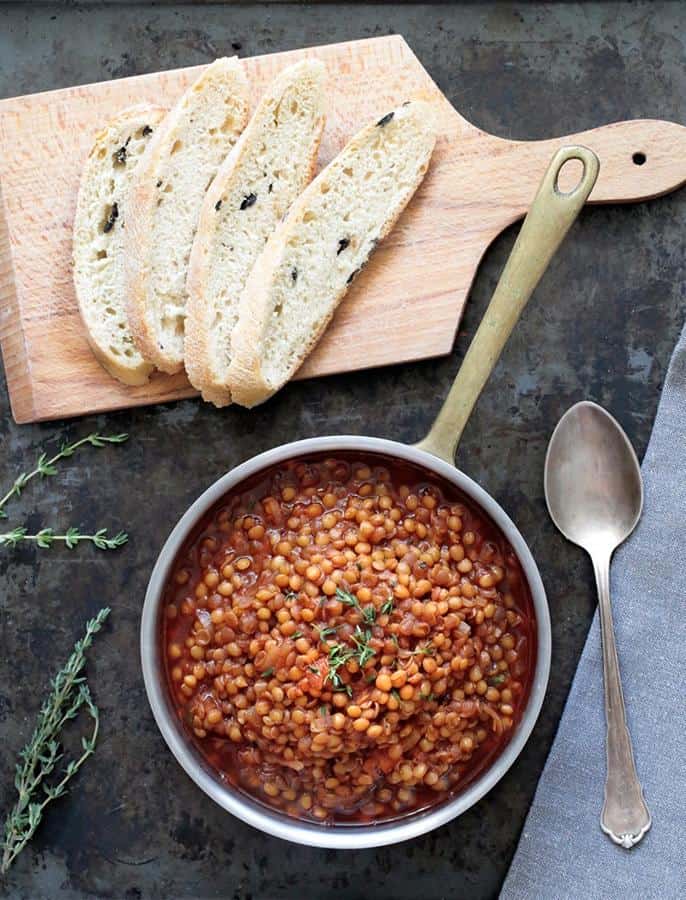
248	384
197	340
135	116
144	195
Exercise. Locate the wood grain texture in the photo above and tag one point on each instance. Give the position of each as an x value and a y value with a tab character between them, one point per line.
407	303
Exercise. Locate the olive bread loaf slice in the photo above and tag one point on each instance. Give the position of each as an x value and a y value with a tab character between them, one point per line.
101	213
273	160
310	260
166	195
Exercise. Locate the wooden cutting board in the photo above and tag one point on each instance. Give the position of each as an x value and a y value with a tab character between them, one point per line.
407	303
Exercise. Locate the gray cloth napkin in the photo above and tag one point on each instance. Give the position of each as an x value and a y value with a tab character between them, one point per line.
562	852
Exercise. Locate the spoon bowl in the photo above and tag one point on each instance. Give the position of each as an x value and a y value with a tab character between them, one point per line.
593	484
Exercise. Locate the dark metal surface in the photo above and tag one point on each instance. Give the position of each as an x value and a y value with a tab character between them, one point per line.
600	326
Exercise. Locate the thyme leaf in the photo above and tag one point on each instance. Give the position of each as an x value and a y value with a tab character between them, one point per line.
324	632
424	650
347	598
387	607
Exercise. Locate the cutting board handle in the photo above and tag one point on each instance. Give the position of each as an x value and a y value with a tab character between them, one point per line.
639	160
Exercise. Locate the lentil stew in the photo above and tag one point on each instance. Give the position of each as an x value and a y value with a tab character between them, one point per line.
347	639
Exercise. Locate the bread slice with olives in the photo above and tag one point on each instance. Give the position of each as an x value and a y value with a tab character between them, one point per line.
273	160
311	258
167	192
102	210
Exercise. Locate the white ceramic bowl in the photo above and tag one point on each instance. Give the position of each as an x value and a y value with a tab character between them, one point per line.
254	812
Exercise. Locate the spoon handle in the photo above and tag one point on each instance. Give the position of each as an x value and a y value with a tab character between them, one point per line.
625	817
550	217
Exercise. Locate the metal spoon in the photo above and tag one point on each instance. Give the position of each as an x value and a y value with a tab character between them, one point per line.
594	493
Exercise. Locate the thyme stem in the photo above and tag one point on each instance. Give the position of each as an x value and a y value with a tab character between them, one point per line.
45	538
45	467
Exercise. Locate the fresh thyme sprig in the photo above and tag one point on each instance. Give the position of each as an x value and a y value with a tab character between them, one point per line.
46	467
339	655
347	598
387	606
39	758
46	537
363	651
324	632
424	650
368	613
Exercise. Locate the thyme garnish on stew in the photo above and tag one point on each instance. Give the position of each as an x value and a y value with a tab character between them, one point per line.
368	613
387	607
363	651
347	598
325	631
339	655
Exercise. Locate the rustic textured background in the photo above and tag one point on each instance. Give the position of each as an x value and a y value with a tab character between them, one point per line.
601	326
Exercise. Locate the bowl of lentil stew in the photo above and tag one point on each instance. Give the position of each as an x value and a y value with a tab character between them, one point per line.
345	642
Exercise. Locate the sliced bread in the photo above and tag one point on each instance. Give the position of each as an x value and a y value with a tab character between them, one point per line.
313	256
101	213
273	160
166	195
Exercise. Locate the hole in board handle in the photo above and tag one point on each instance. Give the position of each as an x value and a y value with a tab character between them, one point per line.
569	177
639	159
